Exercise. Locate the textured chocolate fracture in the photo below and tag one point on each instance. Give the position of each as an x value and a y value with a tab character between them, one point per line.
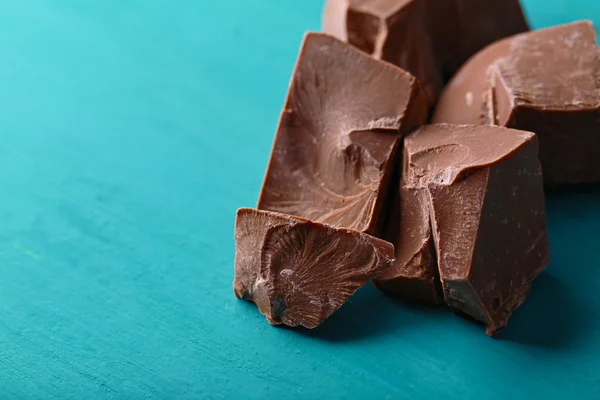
429	38
415	275
547	82
338	135
300	272
477	193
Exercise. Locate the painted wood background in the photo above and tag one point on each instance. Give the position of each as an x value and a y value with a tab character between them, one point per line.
130	131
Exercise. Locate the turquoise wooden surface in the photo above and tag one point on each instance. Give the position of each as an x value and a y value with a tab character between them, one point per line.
130	132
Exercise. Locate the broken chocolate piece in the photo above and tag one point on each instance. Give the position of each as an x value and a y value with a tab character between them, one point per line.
547	82
299	272
338	135
429	38
414	275
460	28
390	30
478	189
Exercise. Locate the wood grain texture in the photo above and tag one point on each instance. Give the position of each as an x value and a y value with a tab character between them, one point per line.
130	132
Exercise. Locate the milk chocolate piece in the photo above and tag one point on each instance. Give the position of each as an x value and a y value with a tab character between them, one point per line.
415	275
547	82
390	30
338	135
429	38
479	190
299	272
460	28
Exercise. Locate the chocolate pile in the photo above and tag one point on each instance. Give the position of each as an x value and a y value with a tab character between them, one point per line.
359	188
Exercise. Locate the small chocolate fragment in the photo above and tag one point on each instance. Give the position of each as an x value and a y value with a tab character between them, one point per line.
390	30
338	135
547	82
477	190
460	28
414	275
299	272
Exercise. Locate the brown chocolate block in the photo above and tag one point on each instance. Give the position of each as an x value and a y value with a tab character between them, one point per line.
477	190
338	135
547	82
460	28
299	272
390	30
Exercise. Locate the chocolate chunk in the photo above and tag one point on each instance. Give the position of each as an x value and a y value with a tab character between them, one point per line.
390	30
460	28
299	272
414	275
479	190
547	82
429	38
338	135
